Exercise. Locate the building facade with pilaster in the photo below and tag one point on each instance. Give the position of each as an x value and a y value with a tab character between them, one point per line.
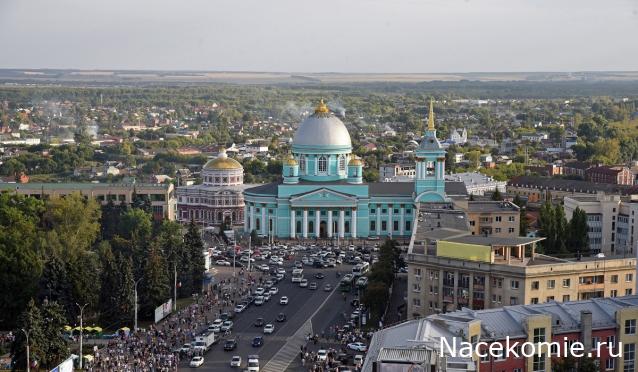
322	194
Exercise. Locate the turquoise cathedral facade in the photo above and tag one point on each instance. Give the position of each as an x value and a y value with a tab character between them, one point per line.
322	194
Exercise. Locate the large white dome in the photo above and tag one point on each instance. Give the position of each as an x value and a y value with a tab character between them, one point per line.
322	129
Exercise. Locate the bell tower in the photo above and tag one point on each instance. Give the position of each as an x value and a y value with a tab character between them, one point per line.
430	165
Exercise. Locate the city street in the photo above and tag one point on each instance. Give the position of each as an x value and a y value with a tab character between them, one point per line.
323	308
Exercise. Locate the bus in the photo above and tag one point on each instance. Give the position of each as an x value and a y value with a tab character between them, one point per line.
360	269
345	285
297	275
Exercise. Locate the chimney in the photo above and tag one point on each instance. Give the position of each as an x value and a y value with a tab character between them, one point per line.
585	328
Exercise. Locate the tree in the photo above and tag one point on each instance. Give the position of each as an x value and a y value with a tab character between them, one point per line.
547	229
375	298
31	321
578	237
560	226
55	346
195	247
496	195
155	286
110	286
524	222
54	284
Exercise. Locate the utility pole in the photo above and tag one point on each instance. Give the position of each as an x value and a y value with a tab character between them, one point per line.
234	254
81	331
28	359
175	287
250	238
136	283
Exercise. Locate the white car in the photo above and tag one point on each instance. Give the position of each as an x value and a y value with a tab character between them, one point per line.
269	328
322	355
239	308
303	283
283	300
196	362
227	326
357	346
259	300
274	290
253	363
259	291
222	263
281	270
215	326
236	361
358	360
266	296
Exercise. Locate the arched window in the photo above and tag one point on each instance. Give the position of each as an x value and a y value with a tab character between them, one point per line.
219	216
291	172
429	168
257	224
311	226
323	164
342	163
302	163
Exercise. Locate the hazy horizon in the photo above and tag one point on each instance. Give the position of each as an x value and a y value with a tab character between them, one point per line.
288	36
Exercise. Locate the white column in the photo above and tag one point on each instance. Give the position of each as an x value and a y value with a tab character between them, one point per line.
252	217
245	218
317	220
342	215
378	220
316	165
402	222
353	224
418	173
305	223
264	222
292	223
390	224
330	224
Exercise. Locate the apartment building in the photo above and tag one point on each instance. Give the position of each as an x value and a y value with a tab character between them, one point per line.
538	189
618	175
612	221
477	183
162	196
555	324
492	218
449	269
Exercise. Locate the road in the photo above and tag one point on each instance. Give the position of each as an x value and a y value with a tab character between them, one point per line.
323	308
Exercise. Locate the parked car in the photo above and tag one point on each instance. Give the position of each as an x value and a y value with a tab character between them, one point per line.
230	345
196	362
357	346
222	263
236	361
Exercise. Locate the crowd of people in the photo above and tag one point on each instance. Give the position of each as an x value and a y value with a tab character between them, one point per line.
158	347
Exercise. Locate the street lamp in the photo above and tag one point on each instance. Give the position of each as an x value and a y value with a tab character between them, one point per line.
81	330
135	289
28	359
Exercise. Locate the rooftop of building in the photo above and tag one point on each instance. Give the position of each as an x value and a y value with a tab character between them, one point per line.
80	185
496	325
575	186
471	178
491	206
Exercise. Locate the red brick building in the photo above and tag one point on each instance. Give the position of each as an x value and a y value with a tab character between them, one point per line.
618	175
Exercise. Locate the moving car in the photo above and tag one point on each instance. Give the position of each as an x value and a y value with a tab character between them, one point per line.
259	322
269	328
357	346
319	276
239	308
258	341
230	344
236	361
259	300
281	317
281	270
259	291
196	361
227	326
185	349
327	287
274	290
253	363
303	283
322	355
312	285
283	300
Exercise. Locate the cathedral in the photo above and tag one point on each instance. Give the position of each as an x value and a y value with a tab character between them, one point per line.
322	194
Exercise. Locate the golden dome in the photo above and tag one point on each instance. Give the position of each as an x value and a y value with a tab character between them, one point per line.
290	160
322	108
223	162
355	161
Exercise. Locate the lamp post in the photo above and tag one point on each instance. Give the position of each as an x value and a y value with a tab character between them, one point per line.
81	330
175	287
28	359
135	290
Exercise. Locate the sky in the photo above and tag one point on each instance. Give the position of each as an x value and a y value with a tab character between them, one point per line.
350	36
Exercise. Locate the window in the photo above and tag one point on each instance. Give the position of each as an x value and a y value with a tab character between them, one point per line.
497	230
594	342
514	284
408	226
417	271
511	218
549	298
565	298
513	301
323	164
614	293
342	163
497	282
629	354
539	335
302	163
535	285
510	230
611	341
416	287
629	277
498	218
416	302
384	225
614	278
551	284
373	225
311	226
628	292
373	211
630	326
610	364
538	364
395	225
534	300
566	283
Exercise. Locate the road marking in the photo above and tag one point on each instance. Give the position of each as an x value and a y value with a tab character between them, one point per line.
290	350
